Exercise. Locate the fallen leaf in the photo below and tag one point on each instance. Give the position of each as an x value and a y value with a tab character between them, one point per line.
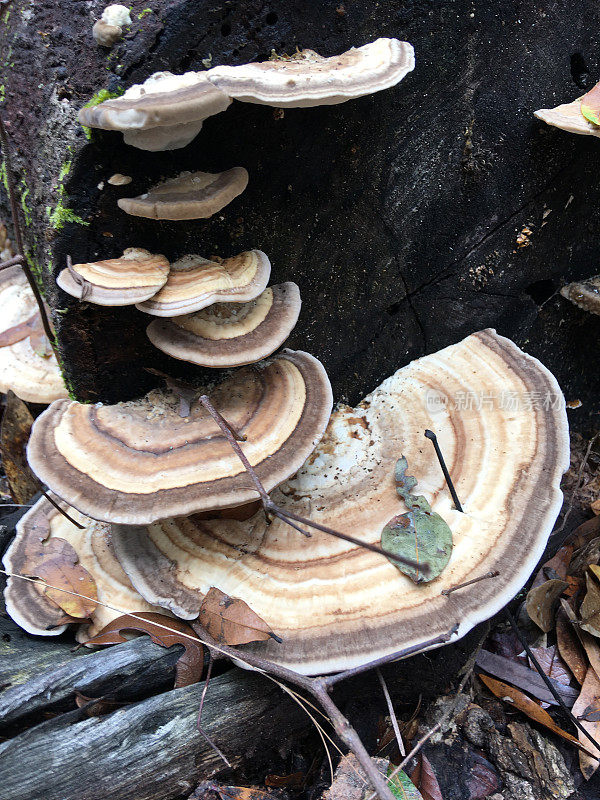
18	332
294	781
540	603
584	533
60	567
230	792
524	678
589	611
99	707
569	646
555	567
482	780
420	535
590	104
592	712
231	621
590	693
528	706
584	557
402	787
425	781
14	435
551	662
189	667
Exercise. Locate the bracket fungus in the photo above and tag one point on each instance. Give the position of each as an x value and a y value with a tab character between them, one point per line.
91	546
336	605
230	334
308	79
136	276
109	28
192	195
195	282
164	113
568	117
139	461
585	294
27	364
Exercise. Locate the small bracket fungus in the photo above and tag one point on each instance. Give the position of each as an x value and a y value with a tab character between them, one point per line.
308	79
25	601
230	334
585	294
109	27
164	113
336	605
27	364
134	277
192	195
569	118
140	461
195	283
119	180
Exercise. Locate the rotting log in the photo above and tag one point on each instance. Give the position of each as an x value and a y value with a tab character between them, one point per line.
397	214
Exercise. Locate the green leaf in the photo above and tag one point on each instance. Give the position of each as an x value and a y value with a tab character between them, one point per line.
420	535
401	786
590	105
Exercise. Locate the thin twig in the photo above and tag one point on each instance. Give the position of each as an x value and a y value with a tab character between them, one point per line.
283	514
413	650
412	753
431	435
14	210
546	679
392	713
12	262
84	285
578	483
492	574
199	727
53	502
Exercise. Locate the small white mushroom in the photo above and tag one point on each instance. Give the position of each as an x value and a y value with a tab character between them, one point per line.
109	28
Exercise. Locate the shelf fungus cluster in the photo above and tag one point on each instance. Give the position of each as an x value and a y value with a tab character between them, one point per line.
579	116
163	481
167	111
27	364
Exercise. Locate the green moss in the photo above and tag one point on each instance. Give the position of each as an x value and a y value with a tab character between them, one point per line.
3	176
24	191
2	93
6	16
143	13
61	214
36	270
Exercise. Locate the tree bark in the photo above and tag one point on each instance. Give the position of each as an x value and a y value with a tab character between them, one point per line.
397	214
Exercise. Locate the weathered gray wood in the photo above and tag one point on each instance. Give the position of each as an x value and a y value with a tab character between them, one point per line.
125	671
151	750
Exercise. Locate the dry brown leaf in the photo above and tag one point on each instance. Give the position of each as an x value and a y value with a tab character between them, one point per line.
587	531
592	712
230	620
14	435
293	781
589	611
541	600
60	567
230	792
99	707
569	646
189	666
18	332
551	662
555	567
590	693
528	706
424	779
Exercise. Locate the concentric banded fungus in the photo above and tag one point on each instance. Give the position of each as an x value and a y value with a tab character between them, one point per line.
38	614
336	605
308	79
585	294
230	334
192	195
569	118
163	113
139	461
134	277
27	363
195	283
